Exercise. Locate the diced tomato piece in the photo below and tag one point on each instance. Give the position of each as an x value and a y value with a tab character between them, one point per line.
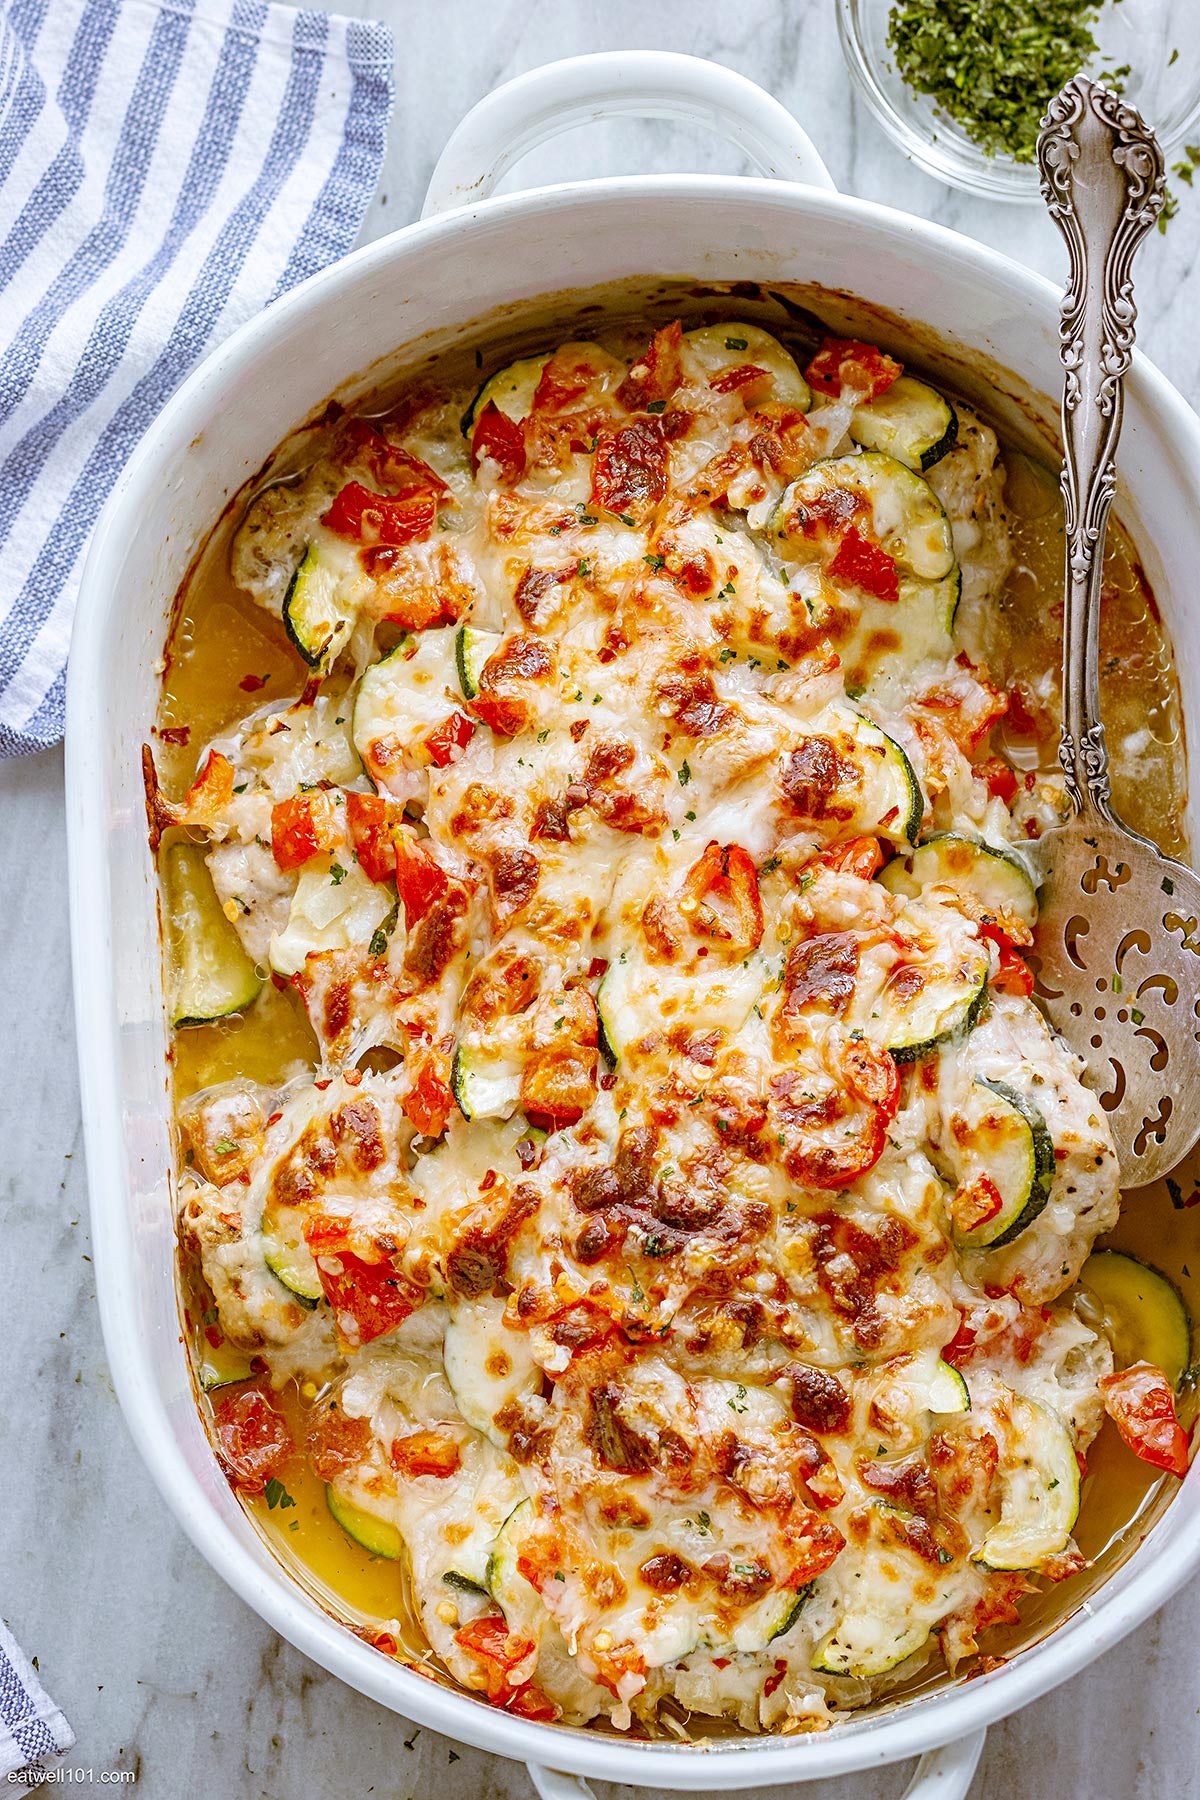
1025	720
1141	1403
530	1702
428	1102
866	565
871	1075
420	878
425	1453
846	363
253	1440
367	1298
390	462
1001	778
369	820
720	898
961	1344
740	376
565	378
1014	976
210	793
629	469
336	1443
654	377
501	440
498	1651
360	513
446	741
861	856
975	1203
302	828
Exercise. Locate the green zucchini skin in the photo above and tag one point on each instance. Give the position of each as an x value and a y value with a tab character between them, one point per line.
1145	1316
212	976
992	874
1028	1196
316	624
379	1537
910	421
974	1001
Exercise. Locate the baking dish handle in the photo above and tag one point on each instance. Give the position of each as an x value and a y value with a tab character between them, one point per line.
582	90
943	1774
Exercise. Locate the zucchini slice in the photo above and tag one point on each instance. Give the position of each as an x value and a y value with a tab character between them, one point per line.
1145	1317
718	349
485	1087
864	1643
913	1021
906	516
378	1536
1039	1491
401	699
471	651
211	975
948	1391
317	621
487	1365
876	789
1000	1134
909	421
333	908
997	878
511	389
288	1256
222	1368
638	999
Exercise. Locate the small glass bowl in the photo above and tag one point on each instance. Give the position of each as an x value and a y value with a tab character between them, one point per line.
1165	88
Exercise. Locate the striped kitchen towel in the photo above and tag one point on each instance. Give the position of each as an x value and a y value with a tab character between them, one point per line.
167	168
33	1733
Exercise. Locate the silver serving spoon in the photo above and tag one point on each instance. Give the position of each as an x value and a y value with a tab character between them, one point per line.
1117	951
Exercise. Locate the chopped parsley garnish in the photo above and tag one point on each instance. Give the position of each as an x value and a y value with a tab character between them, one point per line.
378	943
993	65
656	406
225	1147
542	736
585	567
337	874
655	562
277	1495
685	774
737	343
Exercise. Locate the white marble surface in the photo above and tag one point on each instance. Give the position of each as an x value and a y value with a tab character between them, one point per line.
160	1668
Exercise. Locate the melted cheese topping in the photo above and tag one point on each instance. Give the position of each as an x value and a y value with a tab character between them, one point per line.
630	1287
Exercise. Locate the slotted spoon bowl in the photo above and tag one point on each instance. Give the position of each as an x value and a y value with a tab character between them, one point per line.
1117	951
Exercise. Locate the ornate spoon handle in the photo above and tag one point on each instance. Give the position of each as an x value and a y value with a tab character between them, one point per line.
1103	181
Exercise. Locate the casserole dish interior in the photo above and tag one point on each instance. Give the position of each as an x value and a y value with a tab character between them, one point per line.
138	1310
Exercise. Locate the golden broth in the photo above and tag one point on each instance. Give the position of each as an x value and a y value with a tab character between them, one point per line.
227	657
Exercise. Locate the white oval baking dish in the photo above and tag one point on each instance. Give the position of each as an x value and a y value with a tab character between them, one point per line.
473	258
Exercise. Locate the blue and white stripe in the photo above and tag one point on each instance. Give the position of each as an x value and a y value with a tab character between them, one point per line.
167	168
33	1732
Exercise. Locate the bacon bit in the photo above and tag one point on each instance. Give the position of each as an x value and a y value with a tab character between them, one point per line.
656	376
428	1102
719	898
861	856
501	440
425	1453
846	363
1014	976
975	1203
175	734
253	1440
448	740
741	375
420	878
359	513
369	819
1141	1403
629	469
865	565
302	828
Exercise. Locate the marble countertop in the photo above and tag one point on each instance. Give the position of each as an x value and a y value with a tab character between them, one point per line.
160	1668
